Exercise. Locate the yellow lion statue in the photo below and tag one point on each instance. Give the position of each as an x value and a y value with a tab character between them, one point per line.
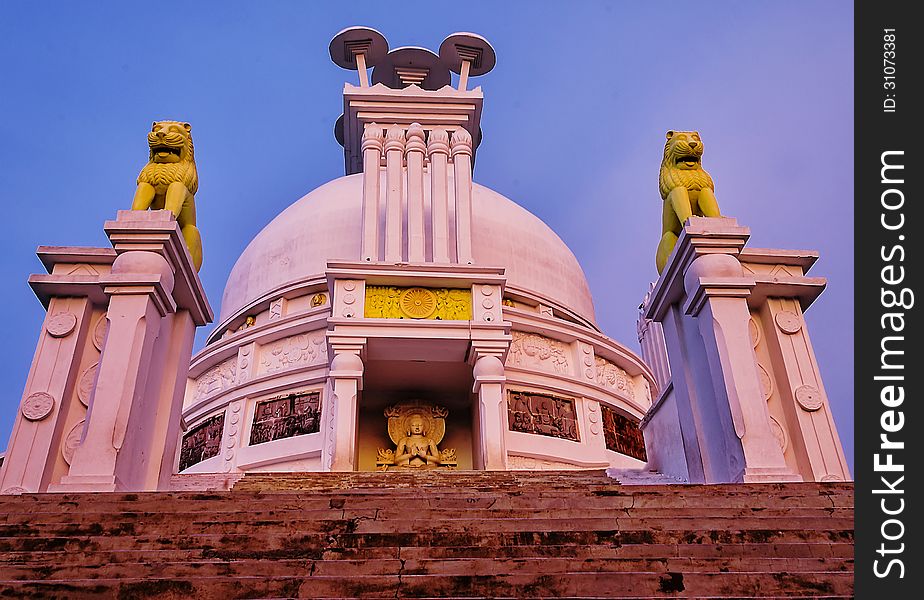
169	180
686	188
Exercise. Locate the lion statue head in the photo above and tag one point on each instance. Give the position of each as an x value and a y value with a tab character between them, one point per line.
171	157
682	164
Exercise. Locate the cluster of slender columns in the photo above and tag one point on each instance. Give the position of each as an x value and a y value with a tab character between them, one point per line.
408	156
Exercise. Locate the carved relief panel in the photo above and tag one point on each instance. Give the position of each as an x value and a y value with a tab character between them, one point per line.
622	434
446	304
202	442
279	418
542	414
612	377
220	377
532	351
297	350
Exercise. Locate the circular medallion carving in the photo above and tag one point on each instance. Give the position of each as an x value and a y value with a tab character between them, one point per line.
72	441
754	332
593	417
489	317
99	331
589	360
808	397
85	384
229	454
487	290
60	324
349	299
349	286
235	418
348	313
487	303
832	477
590	373
788	322
779	433
766	382
227	467
236	407
417	303
586	349
594	429
37	406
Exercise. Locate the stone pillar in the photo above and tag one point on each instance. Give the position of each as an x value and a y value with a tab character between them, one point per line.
416	240
140	288
341	423
462	174
716	403
394	185
373	142
438	149
155	302
39	429
492	411
717	294
654	348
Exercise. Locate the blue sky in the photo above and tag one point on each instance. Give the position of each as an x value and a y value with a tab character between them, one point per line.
574	120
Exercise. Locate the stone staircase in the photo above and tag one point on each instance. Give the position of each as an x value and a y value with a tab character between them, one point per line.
576	534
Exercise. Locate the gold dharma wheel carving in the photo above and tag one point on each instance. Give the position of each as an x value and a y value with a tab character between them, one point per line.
417	303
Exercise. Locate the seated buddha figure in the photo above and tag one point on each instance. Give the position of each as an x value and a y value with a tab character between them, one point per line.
416	448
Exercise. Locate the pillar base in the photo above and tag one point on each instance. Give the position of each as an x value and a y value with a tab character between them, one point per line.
87	483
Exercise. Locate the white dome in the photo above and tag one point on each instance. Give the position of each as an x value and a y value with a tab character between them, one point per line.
326	225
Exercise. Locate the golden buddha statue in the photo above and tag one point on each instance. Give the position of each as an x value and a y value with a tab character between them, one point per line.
416	430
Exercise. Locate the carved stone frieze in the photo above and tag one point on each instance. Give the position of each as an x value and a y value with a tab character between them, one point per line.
295	351
285	417
542	414
219	378
202	442
611	376
515	462
622	434
532	351
446	304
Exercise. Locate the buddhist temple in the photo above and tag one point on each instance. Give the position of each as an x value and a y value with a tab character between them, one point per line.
404	321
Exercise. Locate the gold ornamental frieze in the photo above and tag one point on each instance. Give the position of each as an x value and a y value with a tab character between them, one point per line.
419	303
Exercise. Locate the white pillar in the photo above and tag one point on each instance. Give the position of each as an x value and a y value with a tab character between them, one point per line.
416	148
373	143
438	149
720	307
492	411
346	372
462	164
394	184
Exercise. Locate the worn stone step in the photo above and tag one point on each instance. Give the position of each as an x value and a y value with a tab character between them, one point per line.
706	551
370	523
429	566
48	522
294	544
574	585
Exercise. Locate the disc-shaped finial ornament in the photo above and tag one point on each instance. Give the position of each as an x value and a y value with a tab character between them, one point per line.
417	303
354	40
463	46
788	322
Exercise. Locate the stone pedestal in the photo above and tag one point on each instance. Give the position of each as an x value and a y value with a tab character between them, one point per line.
737	412
117	339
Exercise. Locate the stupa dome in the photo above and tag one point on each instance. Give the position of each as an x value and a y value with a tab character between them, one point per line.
326	224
